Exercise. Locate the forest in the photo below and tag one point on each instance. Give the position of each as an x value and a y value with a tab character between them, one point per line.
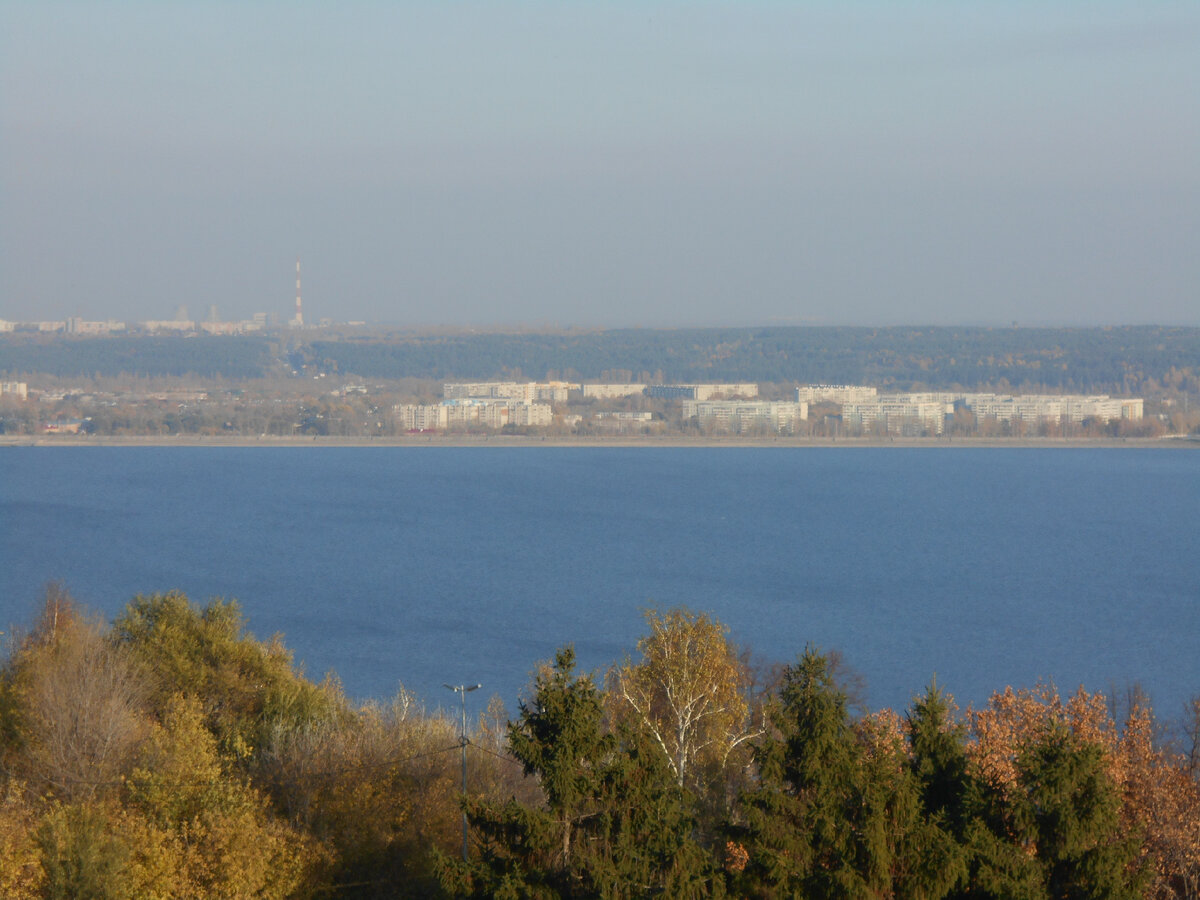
172	754
1125	360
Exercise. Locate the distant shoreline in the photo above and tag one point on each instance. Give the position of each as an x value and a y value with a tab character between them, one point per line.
622	441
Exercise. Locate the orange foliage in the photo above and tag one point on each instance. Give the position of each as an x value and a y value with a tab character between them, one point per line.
1161	800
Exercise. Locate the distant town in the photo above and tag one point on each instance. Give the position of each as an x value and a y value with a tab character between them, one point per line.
558	407
181	324
259	379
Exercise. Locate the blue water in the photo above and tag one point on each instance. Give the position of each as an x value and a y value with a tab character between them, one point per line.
987	567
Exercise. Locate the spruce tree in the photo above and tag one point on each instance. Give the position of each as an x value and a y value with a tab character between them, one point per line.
989	860
615	823
800	822
1068	808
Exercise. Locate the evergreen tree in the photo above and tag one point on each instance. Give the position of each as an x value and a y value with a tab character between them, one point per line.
991	863
838	812
799	832
1068	808
910	854
615	823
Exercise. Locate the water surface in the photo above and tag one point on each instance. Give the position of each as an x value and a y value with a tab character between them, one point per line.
987	567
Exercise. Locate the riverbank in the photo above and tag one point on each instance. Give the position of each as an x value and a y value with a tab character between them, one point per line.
504	440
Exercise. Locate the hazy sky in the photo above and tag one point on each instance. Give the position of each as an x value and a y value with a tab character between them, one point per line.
609	164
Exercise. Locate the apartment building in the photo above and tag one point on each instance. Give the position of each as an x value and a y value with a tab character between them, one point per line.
1073	408
612	391
423	417
739	416
473	412
898	415
521	392
701	391
835	393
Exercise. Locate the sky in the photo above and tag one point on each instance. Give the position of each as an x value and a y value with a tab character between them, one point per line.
608	164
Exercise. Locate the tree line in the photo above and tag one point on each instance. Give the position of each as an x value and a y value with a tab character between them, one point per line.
171	754
1125	360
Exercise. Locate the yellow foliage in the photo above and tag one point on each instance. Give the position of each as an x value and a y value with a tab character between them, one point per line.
77	704
203	828
21	875
687	691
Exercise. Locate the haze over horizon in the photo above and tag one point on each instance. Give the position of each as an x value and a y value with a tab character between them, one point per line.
615	165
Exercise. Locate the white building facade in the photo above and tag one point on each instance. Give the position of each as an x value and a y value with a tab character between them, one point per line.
739	416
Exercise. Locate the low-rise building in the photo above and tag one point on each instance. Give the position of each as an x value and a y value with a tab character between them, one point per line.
625	416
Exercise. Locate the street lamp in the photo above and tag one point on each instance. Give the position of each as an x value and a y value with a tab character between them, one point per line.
462	690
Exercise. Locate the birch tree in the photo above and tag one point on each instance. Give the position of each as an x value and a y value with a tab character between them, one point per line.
687	691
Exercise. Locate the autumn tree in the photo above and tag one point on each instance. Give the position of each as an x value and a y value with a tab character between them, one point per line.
74	705
379	790
21	873
206	832
1054	774
1162	803
688	692
248	689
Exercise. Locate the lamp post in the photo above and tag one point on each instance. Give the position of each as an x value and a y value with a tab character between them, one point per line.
462	690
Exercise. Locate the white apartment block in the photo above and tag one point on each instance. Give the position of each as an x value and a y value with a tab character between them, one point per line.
506	390
476	412
473	411
1074	408
533	414
521	392
623	416
76	325
18	389
914	412
423	417
701	391
835	393
170	325
612	391
738	416
898	415
554	391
